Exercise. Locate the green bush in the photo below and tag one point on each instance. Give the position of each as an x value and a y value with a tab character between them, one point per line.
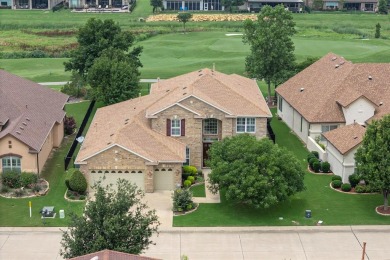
325	167
346	187
72	197
316	166
36	188
315	153
200	173
11	179
310	156
82	197
190	169
337	184
69	173
77	182
336	177
187	183
182	198
4	189
28	178
360	188
19	192
192	179
312	161
354	179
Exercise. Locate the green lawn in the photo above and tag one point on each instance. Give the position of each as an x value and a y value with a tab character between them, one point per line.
169	55
198	190
15	212
332	207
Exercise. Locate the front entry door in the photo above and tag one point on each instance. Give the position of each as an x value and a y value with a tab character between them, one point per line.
206	147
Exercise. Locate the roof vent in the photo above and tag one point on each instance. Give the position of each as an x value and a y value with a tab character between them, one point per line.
111	134
28	119
355	137
334	58
380	103
184	93
134	108
18	132
184	87
342	62
302	89
370	77
108	143
200	74
199	70
21	128
24	123
167	90
336	66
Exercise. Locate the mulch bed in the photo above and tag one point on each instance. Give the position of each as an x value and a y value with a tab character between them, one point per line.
28	193
381	211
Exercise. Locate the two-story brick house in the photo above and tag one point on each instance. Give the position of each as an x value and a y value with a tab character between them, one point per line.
148	139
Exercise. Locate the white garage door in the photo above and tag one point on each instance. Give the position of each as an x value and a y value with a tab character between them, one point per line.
164	179
136	177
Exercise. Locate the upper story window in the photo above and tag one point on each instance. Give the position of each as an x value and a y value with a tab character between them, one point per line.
175	127
210	126
246	125
11	163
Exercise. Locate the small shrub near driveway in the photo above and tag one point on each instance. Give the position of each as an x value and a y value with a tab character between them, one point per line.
354	179
325	167
187	183
78	183
316	166
182	200
27	179
312	161
336	177
11	179
346	187
360	188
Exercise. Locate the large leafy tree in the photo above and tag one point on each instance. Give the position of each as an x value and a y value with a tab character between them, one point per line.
253	171
373	157
95	37
116	220
184	18
382	7
229	4
156	4
114	77
272	50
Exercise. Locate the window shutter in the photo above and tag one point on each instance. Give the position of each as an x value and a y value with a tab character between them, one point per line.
183	127
168	127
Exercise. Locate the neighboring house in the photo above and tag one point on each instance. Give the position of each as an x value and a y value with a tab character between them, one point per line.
31	123
357	5
33	4
148	139
320	101
295	6
111	255
195	5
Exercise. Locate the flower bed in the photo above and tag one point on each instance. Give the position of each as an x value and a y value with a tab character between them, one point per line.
34	190
203	17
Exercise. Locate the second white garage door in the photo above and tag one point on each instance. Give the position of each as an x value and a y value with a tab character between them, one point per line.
164	179
136	177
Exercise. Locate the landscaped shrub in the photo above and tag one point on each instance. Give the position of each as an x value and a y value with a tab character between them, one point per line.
82	197
192	179
68	175
187	183
325	167
4	189
28	178
310	156
360	188
336	177
36	188
182	200
11	179
200	173
337	184
312	161
69	125
190	169
315	153
78	183
346	187
316	166
354	179
19	192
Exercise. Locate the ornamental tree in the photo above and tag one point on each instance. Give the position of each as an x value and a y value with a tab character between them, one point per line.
115	220
255	172
373	157
272	50
184	18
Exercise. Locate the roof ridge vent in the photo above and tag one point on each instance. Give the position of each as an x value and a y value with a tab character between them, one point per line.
381	103
370	77
302	89
336	66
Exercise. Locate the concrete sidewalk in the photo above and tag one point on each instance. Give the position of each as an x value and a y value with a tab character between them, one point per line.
210	197
306	243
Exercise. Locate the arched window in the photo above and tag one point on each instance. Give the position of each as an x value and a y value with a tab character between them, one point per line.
139	171
93	172
126	171
119	171
100	172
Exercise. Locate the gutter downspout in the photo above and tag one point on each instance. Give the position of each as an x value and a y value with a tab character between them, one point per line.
38	165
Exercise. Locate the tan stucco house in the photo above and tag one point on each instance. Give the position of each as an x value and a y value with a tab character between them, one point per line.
31	123
148	139
333	100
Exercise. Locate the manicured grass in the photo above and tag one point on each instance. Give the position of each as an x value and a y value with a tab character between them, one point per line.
169	55
332	207
198	190
15	212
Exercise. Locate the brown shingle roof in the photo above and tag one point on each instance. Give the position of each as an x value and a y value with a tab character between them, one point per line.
126	123
31	109
111	255
234	94
332	82
346	138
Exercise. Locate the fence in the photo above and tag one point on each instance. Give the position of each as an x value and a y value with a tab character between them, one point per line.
271	133
70	153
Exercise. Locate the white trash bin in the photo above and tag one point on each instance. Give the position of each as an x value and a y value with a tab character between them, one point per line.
62	213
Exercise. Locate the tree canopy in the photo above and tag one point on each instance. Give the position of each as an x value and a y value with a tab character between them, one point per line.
184	18
114	77
95	37
373	156
156	4
382	7
272	49
116	220
253	171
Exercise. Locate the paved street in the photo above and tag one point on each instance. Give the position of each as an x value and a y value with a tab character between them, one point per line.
223	243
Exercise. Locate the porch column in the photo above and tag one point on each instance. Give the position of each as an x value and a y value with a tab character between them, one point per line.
183	4
109	3
201	5
97	3
30	4
49	4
